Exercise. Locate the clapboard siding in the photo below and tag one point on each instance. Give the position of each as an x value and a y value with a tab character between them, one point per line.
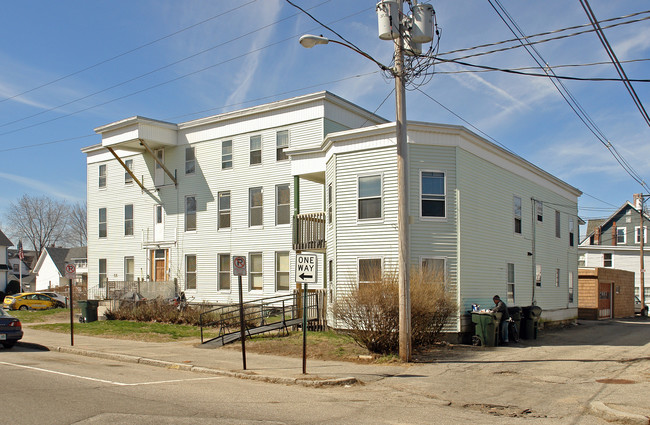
488	242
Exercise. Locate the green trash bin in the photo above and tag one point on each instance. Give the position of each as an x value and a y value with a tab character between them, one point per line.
485	332
530	321
88	310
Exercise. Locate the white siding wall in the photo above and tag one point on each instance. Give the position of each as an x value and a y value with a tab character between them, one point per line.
48	276
487	241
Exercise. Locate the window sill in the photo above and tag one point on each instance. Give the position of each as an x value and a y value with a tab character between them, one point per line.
224	229
256	227
427	218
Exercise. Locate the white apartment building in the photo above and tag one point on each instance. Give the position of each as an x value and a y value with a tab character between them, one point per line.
317	173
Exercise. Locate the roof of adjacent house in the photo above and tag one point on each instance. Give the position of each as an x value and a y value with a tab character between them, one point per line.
593	224
61	256
4	240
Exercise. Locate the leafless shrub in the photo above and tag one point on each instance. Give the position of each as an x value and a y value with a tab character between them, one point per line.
156	310
371	313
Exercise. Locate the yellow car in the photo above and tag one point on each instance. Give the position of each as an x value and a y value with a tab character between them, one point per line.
30	301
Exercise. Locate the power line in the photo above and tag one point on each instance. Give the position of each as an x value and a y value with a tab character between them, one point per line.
102	62
610	52
169	65
564	92
292	37
206	110
527	68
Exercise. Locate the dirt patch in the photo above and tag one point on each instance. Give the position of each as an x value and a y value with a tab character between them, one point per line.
615	381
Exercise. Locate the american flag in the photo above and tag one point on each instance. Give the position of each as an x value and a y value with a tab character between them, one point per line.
21	254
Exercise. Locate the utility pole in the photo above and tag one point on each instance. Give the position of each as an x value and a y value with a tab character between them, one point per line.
402	198
641	253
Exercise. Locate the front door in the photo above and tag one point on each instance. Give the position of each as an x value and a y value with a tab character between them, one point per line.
159	265
604	300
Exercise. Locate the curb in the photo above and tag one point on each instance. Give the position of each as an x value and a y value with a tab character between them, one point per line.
126	358
599	408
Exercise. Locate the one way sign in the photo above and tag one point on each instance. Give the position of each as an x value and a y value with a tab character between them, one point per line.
306	268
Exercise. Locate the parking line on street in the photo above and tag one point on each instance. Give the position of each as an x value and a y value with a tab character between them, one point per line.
104	381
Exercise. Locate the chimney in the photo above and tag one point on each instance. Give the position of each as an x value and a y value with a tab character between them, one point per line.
598	230
614	235
636	200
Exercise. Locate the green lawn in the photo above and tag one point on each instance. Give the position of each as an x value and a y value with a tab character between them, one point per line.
39	316
127	330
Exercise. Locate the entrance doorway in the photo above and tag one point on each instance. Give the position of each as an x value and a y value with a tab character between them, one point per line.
159	261
605	300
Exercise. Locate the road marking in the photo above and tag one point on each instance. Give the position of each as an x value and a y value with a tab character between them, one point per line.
123	384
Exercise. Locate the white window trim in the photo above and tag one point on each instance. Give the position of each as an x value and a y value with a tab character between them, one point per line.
196	272
196	214
252	226
381	197
645	234
444	218
128	180
249	269
444	259
514	216
192	160
381	258
558	277
232	155
571	287
275	274
513	283
224	229
128	257
276	204
99	176
624	235
132	235
99	223
251	151
286	147
221	290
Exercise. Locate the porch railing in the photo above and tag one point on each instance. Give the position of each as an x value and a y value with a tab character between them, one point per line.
309	231
115	290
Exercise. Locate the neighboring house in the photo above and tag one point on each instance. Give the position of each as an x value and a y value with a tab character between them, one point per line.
5	243
178	201
605	293
50	267
615	242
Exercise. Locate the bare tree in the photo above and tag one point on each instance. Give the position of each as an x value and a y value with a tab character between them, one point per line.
42	221
77	223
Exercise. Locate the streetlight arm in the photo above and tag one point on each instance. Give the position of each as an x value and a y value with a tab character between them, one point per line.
308	41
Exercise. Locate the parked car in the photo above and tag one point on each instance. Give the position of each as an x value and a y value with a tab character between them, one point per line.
30	301
639	307
10	329
60	298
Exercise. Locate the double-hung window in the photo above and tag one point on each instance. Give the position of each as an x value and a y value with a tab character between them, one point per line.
128	220
190	161
226	154
369	270
102	176
103	224
432	188
539	210
224	272
190	213
127	176
434	269
369	197
557	278
282	200
558	231
329	203
103	275
621	235
637	234
190	272
570	287
282	271
255	271
255	150
607	259
129	269
510	283
255	206
224	210
516	201
571	232
281	144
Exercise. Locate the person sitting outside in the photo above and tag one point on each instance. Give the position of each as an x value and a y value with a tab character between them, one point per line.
501	307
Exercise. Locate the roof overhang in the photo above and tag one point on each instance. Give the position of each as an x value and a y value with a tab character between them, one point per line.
127	134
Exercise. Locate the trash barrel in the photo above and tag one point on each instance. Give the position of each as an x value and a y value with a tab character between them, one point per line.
530	321
486	327
88	310
515	315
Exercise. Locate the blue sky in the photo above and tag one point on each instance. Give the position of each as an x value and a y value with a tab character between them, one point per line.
71	66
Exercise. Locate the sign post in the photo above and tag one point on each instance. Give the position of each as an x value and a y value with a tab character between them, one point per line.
306	273
239	270
71	274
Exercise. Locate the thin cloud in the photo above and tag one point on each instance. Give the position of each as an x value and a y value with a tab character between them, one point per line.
40	186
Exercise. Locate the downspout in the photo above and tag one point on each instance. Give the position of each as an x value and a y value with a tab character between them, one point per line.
296	208
534	256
